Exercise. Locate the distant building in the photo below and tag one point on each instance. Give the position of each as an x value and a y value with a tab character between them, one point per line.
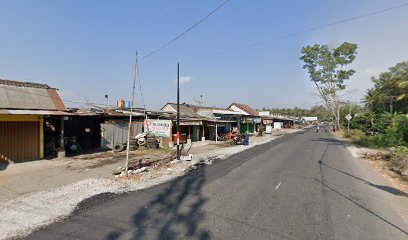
250	120
310	119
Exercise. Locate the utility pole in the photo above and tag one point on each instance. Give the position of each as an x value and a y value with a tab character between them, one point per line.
130	117
348	121
178	111
107	101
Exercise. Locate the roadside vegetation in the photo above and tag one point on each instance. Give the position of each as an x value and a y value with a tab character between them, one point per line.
383	120
380	121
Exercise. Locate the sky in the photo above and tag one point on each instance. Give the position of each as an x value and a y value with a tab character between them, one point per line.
87	49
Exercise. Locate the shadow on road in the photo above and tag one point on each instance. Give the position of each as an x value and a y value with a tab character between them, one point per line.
361	206
330	141
382	187
174	214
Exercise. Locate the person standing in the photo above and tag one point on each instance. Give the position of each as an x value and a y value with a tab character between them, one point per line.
246	139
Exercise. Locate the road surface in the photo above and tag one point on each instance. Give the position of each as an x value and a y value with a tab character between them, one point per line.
305	185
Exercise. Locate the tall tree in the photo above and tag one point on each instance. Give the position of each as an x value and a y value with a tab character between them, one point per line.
390	91
327	71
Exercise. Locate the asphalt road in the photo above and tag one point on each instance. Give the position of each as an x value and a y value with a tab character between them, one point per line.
304	185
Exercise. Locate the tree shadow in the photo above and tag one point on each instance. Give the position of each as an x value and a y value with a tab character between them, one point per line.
382	187
361	206
331	141
175	213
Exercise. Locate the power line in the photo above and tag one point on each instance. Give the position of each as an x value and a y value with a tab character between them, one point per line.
299	32
140	84
186	31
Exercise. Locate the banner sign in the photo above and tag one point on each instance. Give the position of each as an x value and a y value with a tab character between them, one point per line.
267	121
257	120
160	128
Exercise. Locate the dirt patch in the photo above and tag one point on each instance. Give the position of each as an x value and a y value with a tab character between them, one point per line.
378	160
96	160
383	168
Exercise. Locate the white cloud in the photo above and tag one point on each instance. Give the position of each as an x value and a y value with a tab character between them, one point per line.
184	79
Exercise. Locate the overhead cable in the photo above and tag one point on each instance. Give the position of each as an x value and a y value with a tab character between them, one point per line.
186	31
298	33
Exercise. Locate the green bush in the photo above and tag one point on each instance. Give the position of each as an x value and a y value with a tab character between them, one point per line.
399	159
355	135
395	134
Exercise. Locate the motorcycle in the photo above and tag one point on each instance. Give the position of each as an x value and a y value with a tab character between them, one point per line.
72	146
239	140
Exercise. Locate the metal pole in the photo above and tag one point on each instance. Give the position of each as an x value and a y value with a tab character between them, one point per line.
178	111
348	120
216	131
130	118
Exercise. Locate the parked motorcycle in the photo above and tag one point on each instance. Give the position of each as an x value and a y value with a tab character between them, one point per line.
239	140
72	146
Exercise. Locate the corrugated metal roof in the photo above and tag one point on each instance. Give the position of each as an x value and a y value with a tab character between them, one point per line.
185	111
24	84
249	110
23	95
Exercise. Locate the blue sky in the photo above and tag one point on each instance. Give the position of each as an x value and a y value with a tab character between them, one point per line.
87	48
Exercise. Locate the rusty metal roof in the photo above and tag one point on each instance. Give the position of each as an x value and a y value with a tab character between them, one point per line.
33	96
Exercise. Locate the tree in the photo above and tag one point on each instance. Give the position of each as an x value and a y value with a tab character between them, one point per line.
390	91
326	71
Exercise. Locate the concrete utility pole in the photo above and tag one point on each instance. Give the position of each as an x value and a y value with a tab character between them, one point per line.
178	111
130	118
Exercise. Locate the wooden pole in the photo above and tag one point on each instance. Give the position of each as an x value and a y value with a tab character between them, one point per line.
130	118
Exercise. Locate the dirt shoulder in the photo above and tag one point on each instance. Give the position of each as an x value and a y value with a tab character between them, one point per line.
376	158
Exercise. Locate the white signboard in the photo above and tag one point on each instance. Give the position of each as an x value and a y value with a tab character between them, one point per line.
348	117
160	128
264	113
268	129
277	125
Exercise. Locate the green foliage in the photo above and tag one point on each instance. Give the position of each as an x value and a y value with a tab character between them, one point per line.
355	135
395	133
390	91
353	109
399	159
399	152
370	123
325	65
326	68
